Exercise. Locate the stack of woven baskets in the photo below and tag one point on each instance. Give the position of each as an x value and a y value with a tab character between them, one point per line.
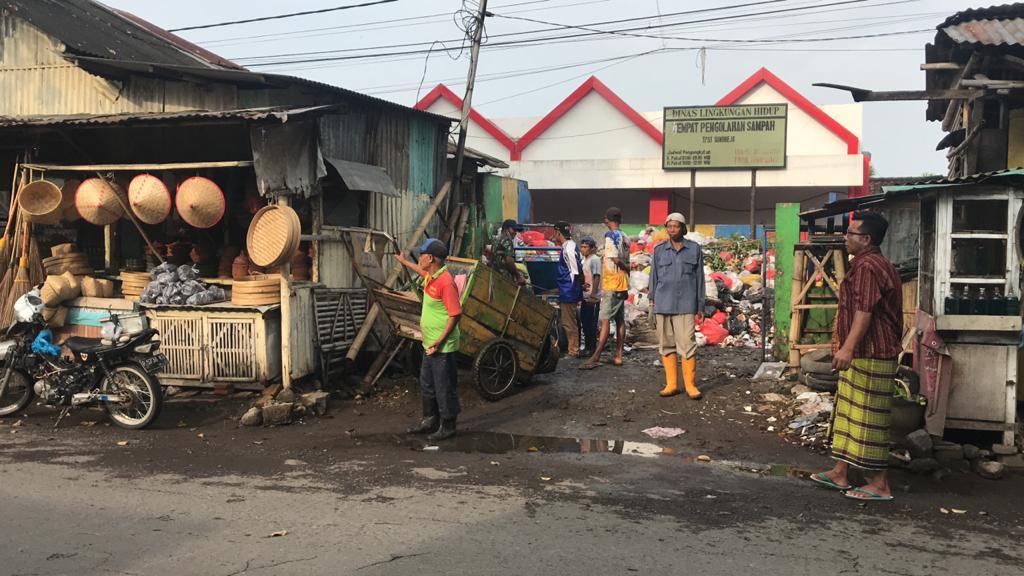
66	258
272	241
133	283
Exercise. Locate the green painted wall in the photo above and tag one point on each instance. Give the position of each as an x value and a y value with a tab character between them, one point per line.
787	235
492	199
422	139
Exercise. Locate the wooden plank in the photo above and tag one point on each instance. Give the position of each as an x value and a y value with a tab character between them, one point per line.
979	323
816	306
140	167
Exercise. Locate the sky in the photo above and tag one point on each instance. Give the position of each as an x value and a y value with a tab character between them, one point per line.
701	53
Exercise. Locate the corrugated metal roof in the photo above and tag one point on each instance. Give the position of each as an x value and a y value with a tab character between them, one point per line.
994	26
116	68
1000	12
945	182
90	28
279	112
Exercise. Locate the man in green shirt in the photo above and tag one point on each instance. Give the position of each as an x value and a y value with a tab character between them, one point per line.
439	325
503	256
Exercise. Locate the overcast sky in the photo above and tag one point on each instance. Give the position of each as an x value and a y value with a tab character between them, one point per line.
531	80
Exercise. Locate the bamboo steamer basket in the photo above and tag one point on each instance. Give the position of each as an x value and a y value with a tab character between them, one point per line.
107	286
63	250
256	291
133	283
40	202
76	263
55	317
200	202
67	200
55	290
96	201
273	236
149	199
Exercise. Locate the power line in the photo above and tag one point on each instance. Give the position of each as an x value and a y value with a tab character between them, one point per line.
690	39
281	16
525	32
391	23
550	39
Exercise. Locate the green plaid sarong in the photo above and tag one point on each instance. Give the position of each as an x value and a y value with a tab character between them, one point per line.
862	414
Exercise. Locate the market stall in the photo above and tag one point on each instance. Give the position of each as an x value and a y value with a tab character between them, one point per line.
222	274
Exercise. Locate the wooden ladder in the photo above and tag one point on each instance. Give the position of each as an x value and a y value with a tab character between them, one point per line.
811	264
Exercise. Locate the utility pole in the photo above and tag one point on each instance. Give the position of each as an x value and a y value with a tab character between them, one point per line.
467	103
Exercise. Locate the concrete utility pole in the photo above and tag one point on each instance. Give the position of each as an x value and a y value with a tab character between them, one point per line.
467	102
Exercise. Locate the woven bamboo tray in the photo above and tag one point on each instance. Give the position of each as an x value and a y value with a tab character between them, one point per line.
273	236
40	202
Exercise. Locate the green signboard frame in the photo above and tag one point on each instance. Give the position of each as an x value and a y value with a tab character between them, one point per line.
747	136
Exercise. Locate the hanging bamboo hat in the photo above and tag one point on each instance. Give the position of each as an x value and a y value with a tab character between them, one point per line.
67	200
40	202
96	201
149	199
200	202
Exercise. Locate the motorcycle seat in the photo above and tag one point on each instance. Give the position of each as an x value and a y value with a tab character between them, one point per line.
82	345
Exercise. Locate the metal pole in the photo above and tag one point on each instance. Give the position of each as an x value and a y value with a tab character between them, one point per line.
467	103
693	194
753	198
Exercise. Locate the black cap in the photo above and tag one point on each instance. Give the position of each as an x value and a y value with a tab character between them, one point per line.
588	241
563	228
433	247
511	224
613	214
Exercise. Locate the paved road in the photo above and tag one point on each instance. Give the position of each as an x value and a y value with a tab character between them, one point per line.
378	509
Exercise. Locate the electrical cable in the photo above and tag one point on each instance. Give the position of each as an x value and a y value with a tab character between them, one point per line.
280	16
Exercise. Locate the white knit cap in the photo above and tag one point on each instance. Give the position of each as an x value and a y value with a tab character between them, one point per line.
675	216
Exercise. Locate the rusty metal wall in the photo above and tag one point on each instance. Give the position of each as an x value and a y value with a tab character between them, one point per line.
36	80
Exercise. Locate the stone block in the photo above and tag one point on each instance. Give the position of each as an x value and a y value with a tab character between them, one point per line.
972	452
1004	450
919	442
990	470
315	402
1014	462
923	465
277	414
948	452
252	417
287	396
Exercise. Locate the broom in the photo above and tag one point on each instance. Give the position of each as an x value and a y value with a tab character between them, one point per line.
20	285
36	273
12	212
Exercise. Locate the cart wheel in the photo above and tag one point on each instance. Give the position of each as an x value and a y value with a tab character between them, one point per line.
496	369
548	361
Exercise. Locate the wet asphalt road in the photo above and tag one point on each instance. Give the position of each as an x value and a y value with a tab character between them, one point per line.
376	507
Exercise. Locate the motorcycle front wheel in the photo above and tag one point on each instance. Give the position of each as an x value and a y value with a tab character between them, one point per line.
18	394
142	393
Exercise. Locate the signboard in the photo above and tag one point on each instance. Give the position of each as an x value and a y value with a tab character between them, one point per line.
747	136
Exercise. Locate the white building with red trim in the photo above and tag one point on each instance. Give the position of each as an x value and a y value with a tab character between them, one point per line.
593	150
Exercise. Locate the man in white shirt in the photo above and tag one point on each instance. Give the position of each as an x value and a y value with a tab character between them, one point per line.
570	286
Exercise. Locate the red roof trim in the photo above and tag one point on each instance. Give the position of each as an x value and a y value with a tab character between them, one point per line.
595	85
787	91
442	91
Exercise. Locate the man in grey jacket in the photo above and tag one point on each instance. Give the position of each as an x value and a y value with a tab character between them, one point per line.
676	295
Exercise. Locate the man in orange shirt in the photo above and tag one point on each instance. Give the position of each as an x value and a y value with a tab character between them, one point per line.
439	324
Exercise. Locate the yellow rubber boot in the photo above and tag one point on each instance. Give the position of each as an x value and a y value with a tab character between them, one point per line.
671	364
690	377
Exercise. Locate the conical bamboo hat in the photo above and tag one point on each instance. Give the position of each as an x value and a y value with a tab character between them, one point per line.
200	202
97	203
67	200
149	199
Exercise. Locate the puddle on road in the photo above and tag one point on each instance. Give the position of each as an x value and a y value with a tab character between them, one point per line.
479	442
471	442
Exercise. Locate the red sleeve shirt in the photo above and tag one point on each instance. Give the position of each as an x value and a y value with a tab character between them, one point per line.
443	288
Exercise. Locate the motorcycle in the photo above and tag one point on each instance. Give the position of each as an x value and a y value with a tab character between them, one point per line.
119	374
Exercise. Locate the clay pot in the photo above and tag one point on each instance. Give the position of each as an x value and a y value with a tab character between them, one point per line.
240	266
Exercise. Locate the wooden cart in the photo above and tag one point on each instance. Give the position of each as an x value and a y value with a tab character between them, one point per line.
507	332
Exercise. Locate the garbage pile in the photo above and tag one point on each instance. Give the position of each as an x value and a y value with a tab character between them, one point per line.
179	285
735	289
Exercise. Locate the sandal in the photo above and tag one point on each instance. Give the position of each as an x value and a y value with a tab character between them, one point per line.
589	365
823	480
617	362
866	495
